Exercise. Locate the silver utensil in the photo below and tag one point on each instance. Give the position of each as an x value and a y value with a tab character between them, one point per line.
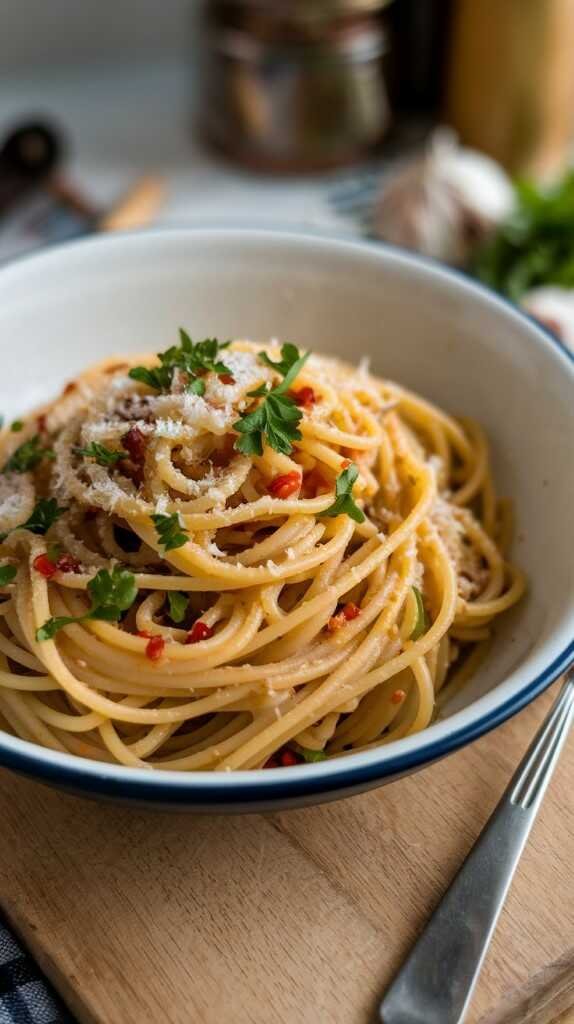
435	984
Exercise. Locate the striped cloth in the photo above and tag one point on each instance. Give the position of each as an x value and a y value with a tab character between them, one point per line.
25	995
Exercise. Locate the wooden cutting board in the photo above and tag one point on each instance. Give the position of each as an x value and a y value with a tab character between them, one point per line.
301	917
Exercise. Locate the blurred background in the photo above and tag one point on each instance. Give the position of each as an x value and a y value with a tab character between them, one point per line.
442	125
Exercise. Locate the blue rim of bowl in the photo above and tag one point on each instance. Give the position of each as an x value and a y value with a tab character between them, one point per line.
304	780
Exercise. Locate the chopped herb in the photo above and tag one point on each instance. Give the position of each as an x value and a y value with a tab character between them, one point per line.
111	594
197	386
193	358
202	355
170	531
421	622
289	365
344	503
177	605
27	456
276	419
103	456
44	514
16	426
158	378
7	574
311	755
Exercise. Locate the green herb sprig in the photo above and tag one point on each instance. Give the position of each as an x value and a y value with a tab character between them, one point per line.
7	574
276	419
177	605
170	531
311	755
16	426
344	503
421	622
27	456
103	456
194	358
111	594
44	514
534	245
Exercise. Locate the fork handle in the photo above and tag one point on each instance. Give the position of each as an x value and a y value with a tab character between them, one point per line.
436	982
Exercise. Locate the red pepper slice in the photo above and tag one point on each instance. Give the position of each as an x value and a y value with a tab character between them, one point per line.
45	566
200	631
286	485
155	648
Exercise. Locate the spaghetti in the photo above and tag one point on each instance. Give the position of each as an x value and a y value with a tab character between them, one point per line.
240	556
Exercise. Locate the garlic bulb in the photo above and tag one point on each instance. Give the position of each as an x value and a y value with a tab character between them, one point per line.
445	202
554	307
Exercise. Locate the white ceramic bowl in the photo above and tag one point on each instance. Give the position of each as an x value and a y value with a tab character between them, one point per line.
427	327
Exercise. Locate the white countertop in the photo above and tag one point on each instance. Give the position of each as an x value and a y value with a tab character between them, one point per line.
128	120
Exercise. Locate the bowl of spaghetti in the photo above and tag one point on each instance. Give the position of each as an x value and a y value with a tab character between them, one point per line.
282	518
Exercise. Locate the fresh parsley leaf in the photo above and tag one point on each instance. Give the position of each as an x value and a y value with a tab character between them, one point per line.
45	512
201	355
196	387
52	626
27	456
103	456
276	419
111	593
170	531
159	378
16	426
421	622
311	755
193	358
289	365
177	605
344	503
7	574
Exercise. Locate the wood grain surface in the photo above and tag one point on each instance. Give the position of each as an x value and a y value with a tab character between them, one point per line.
303	916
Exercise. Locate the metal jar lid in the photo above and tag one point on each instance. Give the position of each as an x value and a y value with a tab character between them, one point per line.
304	15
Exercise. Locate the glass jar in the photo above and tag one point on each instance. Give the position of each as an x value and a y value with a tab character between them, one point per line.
295	86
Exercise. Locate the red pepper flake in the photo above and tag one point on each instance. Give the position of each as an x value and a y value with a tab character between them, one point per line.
398	697
349	612
45	566
305	397
144	633
226	378
67	563
272	762
134	442
200	631
345	463
155	648
286	485
288	758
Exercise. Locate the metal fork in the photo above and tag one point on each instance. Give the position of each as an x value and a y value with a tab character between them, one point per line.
435	984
